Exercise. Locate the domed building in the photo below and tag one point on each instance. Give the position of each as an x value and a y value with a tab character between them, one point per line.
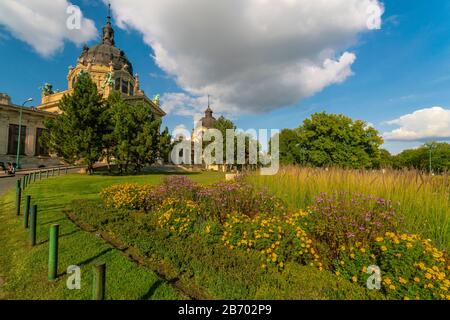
110	70
205	123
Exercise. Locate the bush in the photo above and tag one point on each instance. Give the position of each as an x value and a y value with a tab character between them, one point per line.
277	239
126	196
223	198
343	219
411	268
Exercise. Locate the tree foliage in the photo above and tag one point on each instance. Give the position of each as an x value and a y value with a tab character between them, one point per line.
91	129
331	140
77	134
420	158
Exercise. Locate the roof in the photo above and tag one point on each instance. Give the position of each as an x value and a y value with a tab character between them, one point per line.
104	53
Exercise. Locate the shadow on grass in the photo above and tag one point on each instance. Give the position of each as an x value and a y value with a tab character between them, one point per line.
152	290
61	236
145	172
89	260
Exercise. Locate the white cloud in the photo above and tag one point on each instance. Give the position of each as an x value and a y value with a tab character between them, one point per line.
42	24
253	55
423	124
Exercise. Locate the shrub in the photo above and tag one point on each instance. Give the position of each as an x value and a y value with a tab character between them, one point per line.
343	219
411	268
179	187
177	216
222	198
277	239
126	196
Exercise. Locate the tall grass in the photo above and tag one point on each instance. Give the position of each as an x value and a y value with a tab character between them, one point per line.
424	200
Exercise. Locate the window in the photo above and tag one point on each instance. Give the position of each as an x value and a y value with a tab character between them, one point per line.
39	149
124	86
117	84
13	138
131	89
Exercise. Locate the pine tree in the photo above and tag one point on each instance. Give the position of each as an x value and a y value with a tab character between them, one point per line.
77	134
165	145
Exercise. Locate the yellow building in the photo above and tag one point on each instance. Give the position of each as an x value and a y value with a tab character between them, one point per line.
32	154
110	70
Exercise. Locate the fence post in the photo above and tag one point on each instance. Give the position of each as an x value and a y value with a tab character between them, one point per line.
24	182
53	252
26	213
59	171
18	197
33	221
99	281
65	171
40	175
34	176
47	174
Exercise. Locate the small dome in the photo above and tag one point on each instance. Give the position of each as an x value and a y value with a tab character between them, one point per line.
208	121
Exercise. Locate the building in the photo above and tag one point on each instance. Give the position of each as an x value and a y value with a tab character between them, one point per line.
205	123
110	70
32	154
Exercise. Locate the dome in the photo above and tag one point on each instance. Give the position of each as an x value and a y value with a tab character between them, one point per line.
103	54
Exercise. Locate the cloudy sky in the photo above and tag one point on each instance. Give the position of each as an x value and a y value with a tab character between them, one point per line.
265	63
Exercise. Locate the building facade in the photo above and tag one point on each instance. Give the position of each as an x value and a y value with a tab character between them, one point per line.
32	154
110	70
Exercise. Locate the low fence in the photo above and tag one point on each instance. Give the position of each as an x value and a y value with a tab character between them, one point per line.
30	220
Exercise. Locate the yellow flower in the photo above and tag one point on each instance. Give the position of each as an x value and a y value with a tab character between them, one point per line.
392	287
416	279
383	248
379	239
354	278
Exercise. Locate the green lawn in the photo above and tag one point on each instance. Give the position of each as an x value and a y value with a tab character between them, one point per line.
23	270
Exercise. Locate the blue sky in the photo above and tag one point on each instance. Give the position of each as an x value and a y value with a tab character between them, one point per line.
400	69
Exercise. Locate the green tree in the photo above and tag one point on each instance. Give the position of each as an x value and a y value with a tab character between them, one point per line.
165	145
336	140
135	134
77	134
420	158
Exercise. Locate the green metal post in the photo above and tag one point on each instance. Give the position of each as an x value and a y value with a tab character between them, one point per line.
65	171
47	174
40	175
33	222
24	182
26	213
34	176
99	281
53	252
18	197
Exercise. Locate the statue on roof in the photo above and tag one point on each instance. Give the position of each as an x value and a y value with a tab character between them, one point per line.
156	99
109	80
47	89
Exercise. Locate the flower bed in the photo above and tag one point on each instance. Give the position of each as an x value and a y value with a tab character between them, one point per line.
342	233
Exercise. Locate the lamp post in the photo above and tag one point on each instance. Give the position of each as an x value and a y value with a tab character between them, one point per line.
20	131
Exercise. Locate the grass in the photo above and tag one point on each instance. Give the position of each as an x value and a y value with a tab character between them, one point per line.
24	269
425	200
